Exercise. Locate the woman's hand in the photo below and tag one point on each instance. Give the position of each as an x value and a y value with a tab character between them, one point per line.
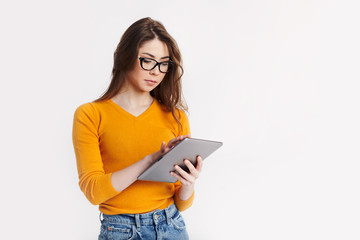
123	178
165	148
188	179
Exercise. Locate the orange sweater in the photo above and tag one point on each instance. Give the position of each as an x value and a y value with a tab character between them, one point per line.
106	139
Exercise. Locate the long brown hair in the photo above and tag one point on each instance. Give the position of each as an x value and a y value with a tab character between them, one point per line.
168	92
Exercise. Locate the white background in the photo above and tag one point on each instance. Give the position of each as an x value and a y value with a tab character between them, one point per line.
276	81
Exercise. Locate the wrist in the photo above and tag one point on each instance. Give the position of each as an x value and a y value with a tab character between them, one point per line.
151	158
186	191
188	188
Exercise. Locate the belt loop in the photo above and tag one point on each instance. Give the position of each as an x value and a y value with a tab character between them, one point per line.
137	222
101	214
167	215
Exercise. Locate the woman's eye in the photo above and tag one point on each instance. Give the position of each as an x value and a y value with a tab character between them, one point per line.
147	61
165	64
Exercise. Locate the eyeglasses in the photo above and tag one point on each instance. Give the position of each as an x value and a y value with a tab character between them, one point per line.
149	64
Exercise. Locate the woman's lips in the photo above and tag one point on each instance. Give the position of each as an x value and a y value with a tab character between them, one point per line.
150	82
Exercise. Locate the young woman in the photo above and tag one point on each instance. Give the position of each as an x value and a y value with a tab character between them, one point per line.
118	136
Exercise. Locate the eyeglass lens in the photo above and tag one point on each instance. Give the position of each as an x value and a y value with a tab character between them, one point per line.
149	64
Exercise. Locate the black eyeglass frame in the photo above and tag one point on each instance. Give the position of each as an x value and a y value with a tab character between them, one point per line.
157	64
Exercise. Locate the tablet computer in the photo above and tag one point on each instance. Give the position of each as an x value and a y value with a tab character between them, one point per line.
188	148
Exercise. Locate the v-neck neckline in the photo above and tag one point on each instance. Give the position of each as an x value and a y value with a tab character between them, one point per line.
123	111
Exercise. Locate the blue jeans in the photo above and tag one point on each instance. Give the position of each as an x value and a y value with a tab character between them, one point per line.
158	224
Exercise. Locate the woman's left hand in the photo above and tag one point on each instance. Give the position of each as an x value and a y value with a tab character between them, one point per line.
188	179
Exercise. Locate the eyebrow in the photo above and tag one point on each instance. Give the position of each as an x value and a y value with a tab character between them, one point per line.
149	54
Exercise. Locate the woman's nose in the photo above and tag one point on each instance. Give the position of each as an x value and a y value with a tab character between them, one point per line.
155	71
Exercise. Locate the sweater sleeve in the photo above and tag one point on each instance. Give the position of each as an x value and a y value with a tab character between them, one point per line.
93	181
180	204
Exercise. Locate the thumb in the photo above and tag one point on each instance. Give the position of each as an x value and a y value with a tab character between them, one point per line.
162	148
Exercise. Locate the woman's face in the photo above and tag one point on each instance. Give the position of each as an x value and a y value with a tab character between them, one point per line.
142	80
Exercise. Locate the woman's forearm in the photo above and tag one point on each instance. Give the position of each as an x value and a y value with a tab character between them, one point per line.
125	177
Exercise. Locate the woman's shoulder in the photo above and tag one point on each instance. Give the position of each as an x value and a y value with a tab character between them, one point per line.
90	108
94	105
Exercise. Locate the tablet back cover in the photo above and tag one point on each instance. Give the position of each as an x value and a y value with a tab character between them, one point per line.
189	148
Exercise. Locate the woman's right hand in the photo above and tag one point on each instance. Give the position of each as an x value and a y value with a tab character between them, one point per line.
121	179
165	148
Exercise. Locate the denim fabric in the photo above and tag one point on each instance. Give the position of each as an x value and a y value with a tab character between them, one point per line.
166	224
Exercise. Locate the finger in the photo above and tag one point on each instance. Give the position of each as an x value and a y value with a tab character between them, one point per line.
162	148
185	175
187	136
181	179
199	163
184	136
191	168
173	142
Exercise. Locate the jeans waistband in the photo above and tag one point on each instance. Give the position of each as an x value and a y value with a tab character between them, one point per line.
150	218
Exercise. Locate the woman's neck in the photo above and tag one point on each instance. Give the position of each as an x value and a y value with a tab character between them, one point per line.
132	100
